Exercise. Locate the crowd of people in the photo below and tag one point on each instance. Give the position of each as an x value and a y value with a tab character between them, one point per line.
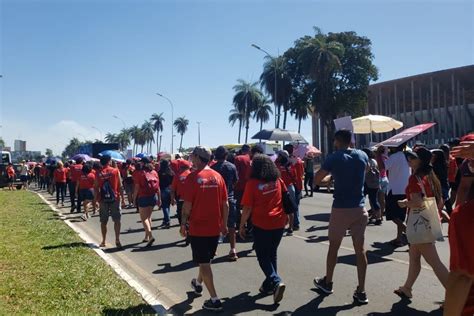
236	195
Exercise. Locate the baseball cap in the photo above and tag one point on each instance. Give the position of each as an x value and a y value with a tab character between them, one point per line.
202	152
284	153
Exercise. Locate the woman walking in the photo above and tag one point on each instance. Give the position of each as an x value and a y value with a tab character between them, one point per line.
262	201
85	190
422	182
166	179
147	194
59	180
288	175
440	168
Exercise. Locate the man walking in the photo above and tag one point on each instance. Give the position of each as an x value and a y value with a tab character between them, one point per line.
109	193
347	167
205	210
75	173
229	173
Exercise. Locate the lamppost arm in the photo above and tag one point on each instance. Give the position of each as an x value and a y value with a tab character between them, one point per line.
172	117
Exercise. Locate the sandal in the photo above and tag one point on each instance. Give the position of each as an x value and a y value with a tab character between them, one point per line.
118	244
403	293
150	242
102	245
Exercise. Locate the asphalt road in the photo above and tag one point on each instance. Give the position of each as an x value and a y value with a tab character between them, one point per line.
166	269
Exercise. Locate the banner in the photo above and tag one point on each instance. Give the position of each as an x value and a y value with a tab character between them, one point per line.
406	135
345	123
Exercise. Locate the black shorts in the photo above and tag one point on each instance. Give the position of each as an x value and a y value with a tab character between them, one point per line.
10	179
203	248
392	209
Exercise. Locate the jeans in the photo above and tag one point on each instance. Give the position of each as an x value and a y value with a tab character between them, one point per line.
373	198
60	190
179	209
266	246
72	192
308	181
165	204
295	194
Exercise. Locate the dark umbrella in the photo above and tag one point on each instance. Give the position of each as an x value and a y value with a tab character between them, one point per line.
278	134
84	157
406	135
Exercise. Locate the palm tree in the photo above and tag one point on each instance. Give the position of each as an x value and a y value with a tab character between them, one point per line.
247	97
148	137
181	125
262	112
111	138
284	86
301	111
236	115
123	138
157	121
135	135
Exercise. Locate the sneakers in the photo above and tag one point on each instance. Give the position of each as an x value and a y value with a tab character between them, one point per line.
233	256
212	306
321	284
278	294
265	292
197	288
360	297
289	232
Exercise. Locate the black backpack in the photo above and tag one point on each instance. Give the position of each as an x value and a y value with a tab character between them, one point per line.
107	193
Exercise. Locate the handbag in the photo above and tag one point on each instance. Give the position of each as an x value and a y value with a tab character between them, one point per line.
423	224
289	204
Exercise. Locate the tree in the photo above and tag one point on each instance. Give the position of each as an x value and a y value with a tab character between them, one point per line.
247	97
262	112
135	135
236	116
181	125
49	152
157	121
300	109
284	86
111	138
148	135
123	139
72	148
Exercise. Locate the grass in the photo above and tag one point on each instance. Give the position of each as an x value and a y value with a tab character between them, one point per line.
45	268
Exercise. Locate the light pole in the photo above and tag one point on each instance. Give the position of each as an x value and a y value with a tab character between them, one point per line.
100	132
118	118
172	118
275	61
199	133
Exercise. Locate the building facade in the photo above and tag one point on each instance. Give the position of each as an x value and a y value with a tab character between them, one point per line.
19	145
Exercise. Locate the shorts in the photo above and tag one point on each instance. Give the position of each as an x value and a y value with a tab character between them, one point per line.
342	219
146	201
86	194
383	185
23	178
10	179
392	209
203	248
128	187
233	214
110	209
238	198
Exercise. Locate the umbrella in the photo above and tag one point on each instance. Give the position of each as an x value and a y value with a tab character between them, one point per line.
302	150
84	157
141	155
115	155
406	135
375	123
52	160
279	134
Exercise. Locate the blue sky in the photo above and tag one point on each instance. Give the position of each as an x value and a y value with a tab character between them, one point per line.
71	65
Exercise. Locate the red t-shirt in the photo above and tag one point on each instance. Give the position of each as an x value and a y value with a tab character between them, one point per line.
76	171
288	174
265	200
243	165
414	186
113	175
10	172
139	179
207	192
298	165
178	183
452	169
60	175
86	181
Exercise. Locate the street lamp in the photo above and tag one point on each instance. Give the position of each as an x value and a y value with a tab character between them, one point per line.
275	75
199	133
118	118
172	118
100	132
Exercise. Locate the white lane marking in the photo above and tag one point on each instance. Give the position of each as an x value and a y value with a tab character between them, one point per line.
369	253
149	297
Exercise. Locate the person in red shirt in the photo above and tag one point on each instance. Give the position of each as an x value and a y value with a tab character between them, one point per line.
59	181
76	172
206	208
126	172
11	176
298	165
177	188
422	181
147	194
288	175
262	200
85	190
242	163
109	193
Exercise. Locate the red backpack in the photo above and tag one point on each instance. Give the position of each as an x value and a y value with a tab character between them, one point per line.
152	183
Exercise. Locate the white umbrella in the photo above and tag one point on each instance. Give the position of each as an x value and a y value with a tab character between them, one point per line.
375	123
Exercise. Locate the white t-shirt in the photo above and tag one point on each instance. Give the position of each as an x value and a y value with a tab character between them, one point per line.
398	173
24	170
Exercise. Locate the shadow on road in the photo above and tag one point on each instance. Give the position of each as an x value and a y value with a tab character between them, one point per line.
402	308
312	308
141	309
316	228
68	245
184	306
322	217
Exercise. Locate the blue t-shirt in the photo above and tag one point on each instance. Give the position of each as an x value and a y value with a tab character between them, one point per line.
347	168
228	171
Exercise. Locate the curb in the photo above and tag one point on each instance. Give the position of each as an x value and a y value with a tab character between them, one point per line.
149	298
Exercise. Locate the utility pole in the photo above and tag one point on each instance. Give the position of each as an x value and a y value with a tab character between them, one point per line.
199	133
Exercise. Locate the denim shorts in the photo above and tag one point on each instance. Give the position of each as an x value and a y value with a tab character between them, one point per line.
146	201
86	194
110	209
233	214
384	185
